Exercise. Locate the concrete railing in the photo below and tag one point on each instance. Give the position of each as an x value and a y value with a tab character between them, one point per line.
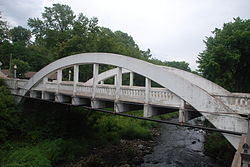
236	101
239	102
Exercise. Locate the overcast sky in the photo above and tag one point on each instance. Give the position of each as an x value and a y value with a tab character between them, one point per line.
172	29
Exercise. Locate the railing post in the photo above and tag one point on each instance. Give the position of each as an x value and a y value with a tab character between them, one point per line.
147	89
76	78
59	79
95	79
118	83
115	78
131	79
147	108
45	80
245	154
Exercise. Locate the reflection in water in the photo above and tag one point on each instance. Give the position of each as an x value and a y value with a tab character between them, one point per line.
179	147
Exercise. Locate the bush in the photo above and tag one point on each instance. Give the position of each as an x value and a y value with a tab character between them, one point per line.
135	131
116	127
26	157
61	150
217	147
9	119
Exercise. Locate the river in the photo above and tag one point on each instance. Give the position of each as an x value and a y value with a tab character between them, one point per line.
179	147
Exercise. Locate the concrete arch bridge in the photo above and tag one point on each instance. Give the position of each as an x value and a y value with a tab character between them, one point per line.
183	91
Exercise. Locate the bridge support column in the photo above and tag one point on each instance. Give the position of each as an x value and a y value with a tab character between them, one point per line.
101	104
150	111
147	109
45	80
118	85
36	94
76	78
123	107
183	115
48	96
95	79
59	98
131	79
245	153
59	79
187	113
80	101
62	98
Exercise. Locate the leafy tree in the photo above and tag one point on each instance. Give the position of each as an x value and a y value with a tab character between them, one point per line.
20	34
8	113
147	54
59	17
226	59
176	64
179	64
3	29
37	57
55	25
5	52
22	67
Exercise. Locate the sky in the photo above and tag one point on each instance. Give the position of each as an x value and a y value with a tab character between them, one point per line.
174	30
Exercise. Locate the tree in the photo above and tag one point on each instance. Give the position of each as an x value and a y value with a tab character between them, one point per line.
8	113
20	34
59	18
54	26
22	67
226	59
3	29
147	54
179	64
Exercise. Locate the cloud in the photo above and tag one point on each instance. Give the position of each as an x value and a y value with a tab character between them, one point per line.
17	12
172	29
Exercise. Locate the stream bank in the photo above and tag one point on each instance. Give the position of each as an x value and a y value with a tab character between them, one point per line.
171	146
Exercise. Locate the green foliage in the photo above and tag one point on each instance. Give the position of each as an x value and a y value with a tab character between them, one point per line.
116	127
20	34
25	157
4	31
22	67
226	58
43	134
176	64
8	114
5	52
217	147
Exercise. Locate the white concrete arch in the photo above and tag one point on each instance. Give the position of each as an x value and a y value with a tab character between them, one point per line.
107	74
176	81
203	83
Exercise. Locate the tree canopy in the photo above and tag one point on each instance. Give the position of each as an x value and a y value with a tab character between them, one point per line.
59	33
226	59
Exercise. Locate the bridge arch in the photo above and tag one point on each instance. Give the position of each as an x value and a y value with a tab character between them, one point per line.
191	88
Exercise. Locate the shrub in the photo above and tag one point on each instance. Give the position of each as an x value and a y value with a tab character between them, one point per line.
8	114
26	157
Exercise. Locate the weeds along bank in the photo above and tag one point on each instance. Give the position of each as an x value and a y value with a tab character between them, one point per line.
43	134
